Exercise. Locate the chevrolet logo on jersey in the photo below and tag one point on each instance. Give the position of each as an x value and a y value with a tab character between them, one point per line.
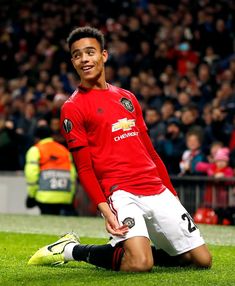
123	124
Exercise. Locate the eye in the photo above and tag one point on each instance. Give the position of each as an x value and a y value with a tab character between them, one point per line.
76	56
91	52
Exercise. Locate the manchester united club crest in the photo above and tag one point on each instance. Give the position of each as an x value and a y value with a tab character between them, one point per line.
127	104
130	222
67	125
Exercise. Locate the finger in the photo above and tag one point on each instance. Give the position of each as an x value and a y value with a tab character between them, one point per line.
123	227
120	231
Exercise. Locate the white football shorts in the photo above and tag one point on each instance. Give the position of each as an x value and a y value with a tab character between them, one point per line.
161	218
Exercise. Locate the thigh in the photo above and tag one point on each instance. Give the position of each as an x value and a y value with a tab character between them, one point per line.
172	228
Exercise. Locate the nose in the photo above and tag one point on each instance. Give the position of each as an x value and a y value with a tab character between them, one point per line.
84	57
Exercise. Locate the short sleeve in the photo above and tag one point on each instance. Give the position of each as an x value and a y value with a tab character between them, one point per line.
73	126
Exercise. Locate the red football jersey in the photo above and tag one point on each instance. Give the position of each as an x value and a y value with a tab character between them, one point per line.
109	121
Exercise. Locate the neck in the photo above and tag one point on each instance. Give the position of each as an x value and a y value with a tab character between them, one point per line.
95	84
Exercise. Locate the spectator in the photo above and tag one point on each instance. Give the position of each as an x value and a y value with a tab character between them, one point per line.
185	57
222	35
207	115
50	175
154	123
172	146
167	110
189	118
57	102
232	146
9	146
211	58
25	126
161	59
206	86
184	100
55	129
215	146
219	129
193	154
218	169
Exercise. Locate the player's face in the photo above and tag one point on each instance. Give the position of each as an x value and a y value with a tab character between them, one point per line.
88	60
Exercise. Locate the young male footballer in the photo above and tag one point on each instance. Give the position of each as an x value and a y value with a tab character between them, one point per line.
122	173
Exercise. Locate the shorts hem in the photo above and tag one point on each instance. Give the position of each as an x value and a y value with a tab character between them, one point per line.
115	241
202	242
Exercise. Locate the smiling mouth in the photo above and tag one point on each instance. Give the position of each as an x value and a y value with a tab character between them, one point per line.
87	69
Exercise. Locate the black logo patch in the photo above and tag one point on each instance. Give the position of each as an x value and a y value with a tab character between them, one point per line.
130	222
127	104
67	125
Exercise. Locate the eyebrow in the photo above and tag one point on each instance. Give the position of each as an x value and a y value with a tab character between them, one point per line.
86	48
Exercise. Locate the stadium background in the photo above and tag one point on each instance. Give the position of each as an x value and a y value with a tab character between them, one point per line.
158	50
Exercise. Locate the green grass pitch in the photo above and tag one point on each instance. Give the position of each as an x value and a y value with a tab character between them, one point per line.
21	236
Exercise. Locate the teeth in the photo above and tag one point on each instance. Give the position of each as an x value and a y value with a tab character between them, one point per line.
86	68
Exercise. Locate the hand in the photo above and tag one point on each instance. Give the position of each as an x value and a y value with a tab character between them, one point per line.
113	227
186	166
111	222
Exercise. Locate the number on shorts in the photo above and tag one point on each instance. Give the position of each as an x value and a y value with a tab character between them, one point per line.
191	224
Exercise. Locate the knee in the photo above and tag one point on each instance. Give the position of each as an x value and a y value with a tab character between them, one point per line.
141	264
205	261
199	260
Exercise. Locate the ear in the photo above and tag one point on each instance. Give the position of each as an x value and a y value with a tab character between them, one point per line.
72	60
105	55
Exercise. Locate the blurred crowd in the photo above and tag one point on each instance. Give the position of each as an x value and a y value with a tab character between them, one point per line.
177	57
